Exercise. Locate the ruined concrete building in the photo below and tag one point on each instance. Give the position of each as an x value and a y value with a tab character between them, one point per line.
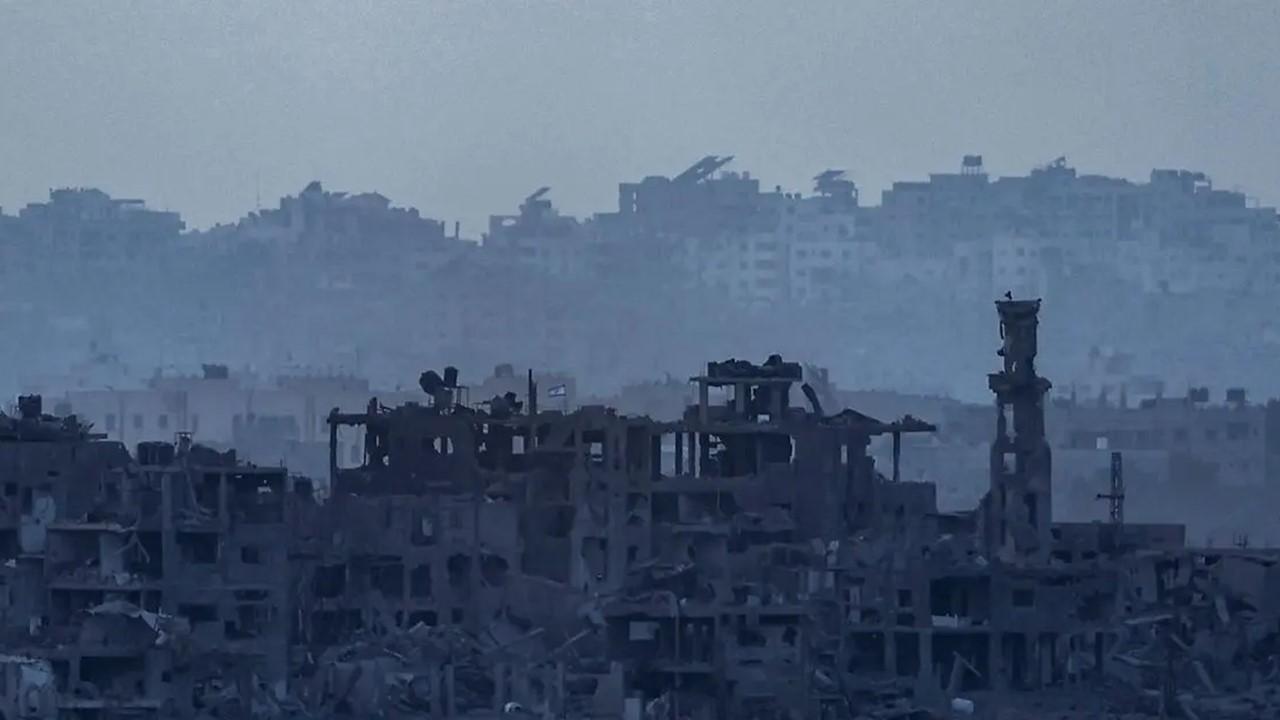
495	556
1018	511
144	585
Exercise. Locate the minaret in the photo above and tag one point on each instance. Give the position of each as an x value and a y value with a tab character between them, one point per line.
1018	510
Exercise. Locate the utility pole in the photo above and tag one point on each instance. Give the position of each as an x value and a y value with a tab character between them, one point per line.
1115	498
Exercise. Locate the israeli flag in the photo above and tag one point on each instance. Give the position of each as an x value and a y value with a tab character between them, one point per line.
558	391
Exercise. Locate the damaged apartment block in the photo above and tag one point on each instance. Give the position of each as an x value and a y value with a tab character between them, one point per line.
487	556
145	584
714	622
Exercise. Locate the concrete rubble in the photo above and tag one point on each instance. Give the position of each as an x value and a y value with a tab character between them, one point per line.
489	556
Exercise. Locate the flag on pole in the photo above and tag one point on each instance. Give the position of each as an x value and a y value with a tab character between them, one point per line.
558	391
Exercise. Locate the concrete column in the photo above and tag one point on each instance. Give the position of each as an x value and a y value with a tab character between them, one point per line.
1099	655
679	453
451	703
519	689
1047	646
438	690
499	685
995	662
704	454
1029	651
692	460
925	640
558	706
404	603
224	505
333	454
168	545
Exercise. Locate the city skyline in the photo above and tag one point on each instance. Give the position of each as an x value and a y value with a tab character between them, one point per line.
205	109
866	200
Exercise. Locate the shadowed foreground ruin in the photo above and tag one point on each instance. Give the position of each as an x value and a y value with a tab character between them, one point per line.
492	557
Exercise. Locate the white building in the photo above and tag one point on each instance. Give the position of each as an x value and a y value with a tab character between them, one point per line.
539	237
222	409
1018	267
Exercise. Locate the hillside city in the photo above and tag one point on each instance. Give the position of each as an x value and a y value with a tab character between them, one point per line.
706	258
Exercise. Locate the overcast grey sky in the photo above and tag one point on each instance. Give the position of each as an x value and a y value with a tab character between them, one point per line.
461	109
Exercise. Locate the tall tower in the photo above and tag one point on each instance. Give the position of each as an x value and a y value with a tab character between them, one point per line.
1018	510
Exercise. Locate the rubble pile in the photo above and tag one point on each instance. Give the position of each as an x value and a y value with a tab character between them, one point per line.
1213	652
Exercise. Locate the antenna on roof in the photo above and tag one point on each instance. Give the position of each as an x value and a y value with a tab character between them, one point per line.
1115	498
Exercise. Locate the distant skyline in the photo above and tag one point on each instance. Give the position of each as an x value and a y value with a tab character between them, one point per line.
462	109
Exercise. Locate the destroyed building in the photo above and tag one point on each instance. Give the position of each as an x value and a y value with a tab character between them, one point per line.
502	555
145	581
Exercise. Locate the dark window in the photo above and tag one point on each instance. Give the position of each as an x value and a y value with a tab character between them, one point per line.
250	555
420	582
424	530
1023	598
196	614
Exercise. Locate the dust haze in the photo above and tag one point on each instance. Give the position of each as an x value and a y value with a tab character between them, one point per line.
610	300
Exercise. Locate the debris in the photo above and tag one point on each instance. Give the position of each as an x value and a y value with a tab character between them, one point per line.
744	560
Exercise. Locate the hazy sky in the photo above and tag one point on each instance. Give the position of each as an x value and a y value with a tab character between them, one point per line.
462	109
